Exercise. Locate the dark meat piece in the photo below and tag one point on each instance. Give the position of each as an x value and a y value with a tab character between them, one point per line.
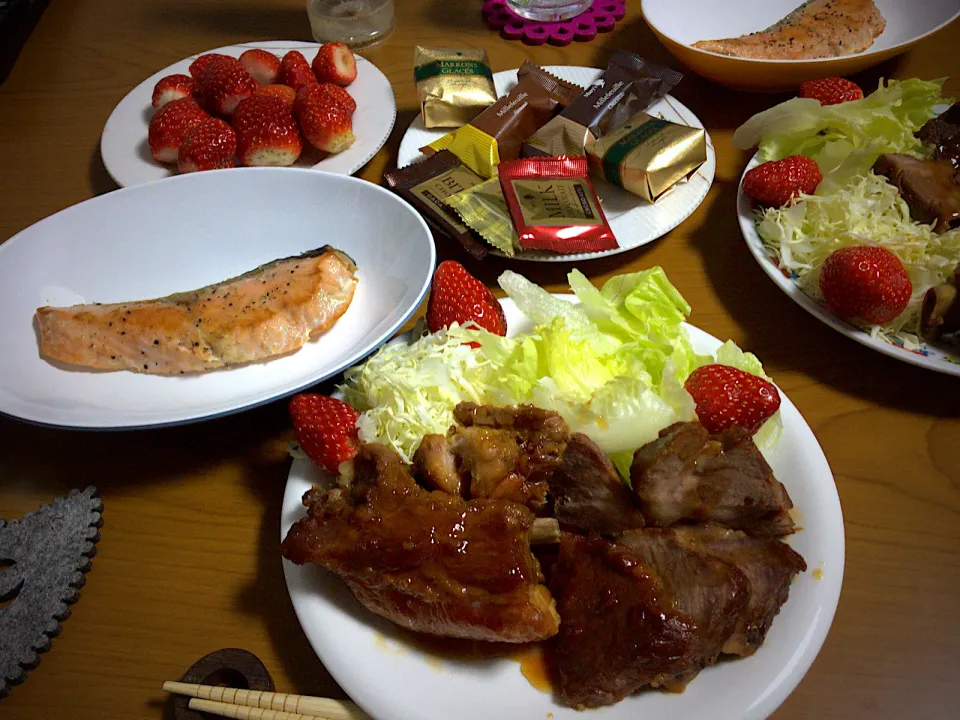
687	474
653	614
940	311
588	493
927	186
943	132
769	564
434	463
429	561
498	452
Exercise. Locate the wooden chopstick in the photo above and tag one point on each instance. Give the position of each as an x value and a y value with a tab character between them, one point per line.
291	706
242	712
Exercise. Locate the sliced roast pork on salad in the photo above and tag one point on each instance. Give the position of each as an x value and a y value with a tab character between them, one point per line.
586	478
858	198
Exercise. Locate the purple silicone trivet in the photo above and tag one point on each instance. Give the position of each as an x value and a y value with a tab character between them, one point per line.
601	17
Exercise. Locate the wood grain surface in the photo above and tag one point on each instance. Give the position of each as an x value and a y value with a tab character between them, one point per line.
189	561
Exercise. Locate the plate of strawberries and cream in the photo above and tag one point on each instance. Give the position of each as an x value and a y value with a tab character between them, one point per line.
258	283
338	125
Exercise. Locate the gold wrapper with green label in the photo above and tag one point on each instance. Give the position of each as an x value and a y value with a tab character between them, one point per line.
484	210
454	86
647	155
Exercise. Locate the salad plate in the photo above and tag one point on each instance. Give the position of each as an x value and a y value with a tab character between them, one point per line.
187	232
933	357
393	679
634	222
126	155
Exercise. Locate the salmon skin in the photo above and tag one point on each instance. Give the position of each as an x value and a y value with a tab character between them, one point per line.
269	311
816	29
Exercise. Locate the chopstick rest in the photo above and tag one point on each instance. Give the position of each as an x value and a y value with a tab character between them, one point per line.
260	705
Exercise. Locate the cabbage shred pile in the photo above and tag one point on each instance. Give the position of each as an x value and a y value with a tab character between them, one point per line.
853	205
612	365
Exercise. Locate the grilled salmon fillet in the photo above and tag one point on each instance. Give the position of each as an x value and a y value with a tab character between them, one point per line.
816	29
269	311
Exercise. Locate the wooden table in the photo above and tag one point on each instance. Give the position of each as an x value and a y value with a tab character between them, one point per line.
188	562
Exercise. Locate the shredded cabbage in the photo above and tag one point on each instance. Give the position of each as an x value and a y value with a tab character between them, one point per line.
613	366
867	211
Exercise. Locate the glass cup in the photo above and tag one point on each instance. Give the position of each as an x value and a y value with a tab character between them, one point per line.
356	23
549	10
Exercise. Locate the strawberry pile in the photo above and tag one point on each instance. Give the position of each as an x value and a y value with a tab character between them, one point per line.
254	110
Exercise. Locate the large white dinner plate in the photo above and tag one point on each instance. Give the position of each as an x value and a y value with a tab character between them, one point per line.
633	221
184	233
392	680
126	154
940	358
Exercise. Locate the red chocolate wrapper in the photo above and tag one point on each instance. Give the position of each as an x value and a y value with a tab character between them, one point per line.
554	206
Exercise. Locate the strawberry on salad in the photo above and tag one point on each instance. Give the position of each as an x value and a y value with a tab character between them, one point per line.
326	429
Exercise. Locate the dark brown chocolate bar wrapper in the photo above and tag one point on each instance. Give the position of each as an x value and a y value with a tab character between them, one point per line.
566	91
629	85
426	185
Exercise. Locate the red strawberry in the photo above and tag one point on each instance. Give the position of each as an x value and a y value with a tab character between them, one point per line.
335	63
831	90
727	396
865	282
198	65
341	96
224	83
211	145
267	134
284	92
262	64
776	182
172	87
295	71
326	429
325	124
457	296
170	124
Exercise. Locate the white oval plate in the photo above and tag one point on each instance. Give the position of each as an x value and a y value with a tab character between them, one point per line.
633	221
192	230
126	155
392	680
932	357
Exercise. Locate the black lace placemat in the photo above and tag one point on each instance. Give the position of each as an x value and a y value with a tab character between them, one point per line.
17	20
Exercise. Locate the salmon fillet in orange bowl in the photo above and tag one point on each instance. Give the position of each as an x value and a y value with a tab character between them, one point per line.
203	295
846	36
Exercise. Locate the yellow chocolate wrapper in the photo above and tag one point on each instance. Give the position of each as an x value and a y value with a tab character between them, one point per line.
475	148
453	86
647	155
484	210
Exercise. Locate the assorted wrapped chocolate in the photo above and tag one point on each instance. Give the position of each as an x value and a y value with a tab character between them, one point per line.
514	174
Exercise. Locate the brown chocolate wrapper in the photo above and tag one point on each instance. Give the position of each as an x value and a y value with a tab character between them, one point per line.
554	206
647	155
497	133
629	85
567	91
427	184
453	85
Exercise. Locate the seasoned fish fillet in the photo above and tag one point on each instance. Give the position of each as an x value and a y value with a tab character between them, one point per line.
816	29
269	311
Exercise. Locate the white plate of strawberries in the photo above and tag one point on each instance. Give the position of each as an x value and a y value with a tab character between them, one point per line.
275	103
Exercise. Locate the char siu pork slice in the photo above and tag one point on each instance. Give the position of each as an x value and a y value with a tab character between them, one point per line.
927	186
689	475
638	613
588	493
429	561
943	132
769	564
495	452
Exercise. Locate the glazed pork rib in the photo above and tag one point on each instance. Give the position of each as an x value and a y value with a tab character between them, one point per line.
429	561
689	475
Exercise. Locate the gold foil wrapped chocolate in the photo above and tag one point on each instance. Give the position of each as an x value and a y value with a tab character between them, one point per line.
484	210
647	155
454	86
